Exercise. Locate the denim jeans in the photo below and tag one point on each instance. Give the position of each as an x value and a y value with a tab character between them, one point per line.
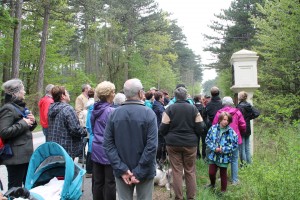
245	153
235	166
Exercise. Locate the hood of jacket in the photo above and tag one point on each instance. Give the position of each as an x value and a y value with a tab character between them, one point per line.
99	108
55	108
229	109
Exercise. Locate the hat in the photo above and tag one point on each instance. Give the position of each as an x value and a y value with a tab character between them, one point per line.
180	85
227	101
153	88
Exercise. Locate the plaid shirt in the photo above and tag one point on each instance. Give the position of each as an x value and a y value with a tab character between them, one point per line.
64	128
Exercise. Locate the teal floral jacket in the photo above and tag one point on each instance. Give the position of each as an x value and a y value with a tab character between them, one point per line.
227	141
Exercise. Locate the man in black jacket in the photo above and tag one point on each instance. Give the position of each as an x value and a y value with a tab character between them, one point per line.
209	113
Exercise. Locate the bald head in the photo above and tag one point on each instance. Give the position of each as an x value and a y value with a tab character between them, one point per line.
214	91
132	87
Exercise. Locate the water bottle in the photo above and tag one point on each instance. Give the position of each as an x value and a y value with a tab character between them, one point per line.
26	112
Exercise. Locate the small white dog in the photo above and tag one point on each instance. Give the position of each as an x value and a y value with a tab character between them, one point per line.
163	177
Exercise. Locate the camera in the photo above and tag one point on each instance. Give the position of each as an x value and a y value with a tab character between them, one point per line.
26	112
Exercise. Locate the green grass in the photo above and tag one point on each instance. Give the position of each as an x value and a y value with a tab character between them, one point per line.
274	174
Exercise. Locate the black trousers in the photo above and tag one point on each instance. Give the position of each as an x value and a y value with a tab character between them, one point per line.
16	174
89	163
104	184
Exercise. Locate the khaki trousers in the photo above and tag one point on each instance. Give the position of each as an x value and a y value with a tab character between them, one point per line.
183	158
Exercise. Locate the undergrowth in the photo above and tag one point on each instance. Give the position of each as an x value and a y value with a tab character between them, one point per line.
274	173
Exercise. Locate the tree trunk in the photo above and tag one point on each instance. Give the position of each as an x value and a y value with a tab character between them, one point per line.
43	50
17	40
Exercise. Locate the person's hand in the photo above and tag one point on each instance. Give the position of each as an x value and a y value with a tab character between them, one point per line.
218	150
134	180
28	121
127	177
2	197
31	117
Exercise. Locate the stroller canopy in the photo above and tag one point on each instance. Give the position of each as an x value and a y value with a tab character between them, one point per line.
51	160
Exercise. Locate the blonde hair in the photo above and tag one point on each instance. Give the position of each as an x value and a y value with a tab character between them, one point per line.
104	89
242	96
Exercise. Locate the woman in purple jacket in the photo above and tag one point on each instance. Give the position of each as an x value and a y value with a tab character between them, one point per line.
104	186
238	124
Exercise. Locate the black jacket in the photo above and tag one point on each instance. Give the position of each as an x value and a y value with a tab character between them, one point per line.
182	130
249	113
211	109
15	131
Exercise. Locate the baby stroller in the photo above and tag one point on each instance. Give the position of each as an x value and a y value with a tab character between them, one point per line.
50	161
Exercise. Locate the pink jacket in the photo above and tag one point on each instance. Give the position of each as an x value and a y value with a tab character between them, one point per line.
238	123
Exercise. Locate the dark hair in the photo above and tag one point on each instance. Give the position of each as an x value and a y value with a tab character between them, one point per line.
57	92
180	85
148	95
158	95
180	93
197	98
91	93
223	114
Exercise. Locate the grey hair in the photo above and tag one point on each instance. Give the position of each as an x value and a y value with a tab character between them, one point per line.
48	88
84	86
13	86
180	93
132	88
119	98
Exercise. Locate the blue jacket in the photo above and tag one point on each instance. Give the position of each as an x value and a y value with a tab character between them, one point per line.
172	101
158	109
88	126
131	140
99	118
227	141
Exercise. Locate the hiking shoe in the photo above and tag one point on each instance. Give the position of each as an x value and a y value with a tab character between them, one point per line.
88	175
210	186
235	183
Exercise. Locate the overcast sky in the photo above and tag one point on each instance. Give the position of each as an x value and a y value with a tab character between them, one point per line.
193	17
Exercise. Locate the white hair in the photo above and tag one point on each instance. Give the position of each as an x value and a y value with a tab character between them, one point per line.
48	88
132	87
119	98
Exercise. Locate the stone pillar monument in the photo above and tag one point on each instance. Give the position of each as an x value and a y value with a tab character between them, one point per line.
244	76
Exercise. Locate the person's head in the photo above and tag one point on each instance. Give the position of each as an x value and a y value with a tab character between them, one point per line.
242	96
119	99
105	91
48	88
214	91
180	93
60	94
159	96
153	90
165	93
85	88
91	93
227	101
197	98
224	119
149	95
133	89
14	90
180	85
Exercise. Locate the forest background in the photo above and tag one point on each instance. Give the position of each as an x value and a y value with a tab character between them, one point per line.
71	42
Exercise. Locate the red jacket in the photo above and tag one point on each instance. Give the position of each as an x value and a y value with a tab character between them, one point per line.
44	105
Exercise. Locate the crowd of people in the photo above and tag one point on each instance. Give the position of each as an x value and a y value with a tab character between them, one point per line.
130	133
